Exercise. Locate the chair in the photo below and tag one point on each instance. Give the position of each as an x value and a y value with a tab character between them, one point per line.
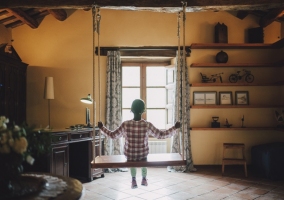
234	161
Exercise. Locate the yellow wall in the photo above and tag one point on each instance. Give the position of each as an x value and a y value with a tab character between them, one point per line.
64	50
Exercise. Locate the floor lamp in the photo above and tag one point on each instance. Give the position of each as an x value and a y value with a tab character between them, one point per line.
49	94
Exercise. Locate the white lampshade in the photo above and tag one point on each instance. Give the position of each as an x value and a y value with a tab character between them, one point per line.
49	89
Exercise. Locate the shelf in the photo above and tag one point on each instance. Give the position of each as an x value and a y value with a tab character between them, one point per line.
223	65
235	84
233	106
236	128
276	45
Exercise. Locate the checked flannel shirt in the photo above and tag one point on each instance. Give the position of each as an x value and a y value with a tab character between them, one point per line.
136	135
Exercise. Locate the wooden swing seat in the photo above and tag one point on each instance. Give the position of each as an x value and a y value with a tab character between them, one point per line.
153	160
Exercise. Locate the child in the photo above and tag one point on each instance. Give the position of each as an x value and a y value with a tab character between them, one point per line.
136	133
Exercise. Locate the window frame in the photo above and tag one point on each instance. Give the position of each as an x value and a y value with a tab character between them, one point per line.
143	87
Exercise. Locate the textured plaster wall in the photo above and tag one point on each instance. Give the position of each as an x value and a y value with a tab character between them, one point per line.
64	50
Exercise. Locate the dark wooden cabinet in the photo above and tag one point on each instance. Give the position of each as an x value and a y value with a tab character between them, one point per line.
72	153
12	85
60	160
98	171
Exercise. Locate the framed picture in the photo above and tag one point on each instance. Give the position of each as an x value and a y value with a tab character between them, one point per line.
204	98
242	98
225	98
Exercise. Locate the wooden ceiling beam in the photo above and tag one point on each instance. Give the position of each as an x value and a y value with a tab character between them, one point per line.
135	4
22	16
59	14
271	16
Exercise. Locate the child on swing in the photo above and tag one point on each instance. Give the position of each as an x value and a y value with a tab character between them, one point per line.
136	133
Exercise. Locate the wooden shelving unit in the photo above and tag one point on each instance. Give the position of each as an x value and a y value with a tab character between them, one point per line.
275	45
232	65
233	106
235	129
234	84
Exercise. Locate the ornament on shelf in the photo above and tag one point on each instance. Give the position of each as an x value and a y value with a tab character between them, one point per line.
221	33
222	57
212	79
215	123
249	78
228	125
243	119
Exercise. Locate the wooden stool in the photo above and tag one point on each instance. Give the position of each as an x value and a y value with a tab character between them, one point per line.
234	161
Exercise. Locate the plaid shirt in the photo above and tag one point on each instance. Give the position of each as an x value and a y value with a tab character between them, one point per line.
136	135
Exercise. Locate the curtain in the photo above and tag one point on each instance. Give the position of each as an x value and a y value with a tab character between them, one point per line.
113	102
182	116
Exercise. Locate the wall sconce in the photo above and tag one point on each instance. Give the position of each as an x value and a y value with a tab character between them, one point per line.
49	94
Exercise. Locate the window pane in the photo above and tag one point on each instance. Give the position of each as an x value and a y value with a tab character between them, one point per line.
126	114
157	117
170	96
130	76
170	116
128	96
156	97
156	76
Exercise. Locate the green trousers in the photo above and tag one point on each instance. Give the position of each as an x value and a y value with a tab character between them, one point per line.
133	171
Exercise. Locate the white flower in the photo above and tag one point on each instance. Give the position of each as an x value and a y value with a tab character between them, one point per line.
17	128
3	122
20	145
30	160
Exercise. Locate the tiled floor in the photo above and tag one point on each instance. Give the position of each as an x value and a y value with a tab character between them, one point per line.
207	183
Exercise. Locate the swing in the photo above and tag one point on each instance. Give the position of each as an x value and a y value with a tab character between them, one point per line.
120	161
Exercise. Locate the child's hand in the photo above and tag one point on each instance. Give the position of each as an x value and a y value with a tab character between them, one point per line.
100	124
177	125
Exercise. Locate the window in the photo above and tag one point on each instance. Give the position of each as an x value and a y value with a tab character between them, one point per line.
150	82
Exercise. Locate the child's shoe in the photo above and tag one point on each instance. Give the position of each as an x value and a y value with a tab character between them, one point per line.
144	182
133	184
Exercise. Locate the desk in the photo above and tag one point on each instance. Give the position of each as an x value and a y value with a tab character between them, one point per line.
71	155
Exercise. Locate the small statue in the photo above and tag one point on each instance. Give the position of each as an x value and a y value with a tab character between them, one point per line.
249	78
228	125
243	119
212	79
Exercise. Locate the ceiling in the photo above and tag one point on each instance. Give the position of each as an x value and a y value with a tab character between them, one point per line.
15	13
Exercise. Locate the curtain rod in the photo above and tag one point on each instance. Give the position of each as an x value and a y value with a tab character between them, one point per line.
144	51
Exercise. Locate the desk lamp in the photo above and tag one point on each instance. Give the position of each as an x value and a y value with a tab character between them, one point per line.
87	100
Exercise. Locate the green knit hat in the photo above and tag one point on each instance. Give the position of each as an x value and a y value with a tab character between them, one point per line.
138	106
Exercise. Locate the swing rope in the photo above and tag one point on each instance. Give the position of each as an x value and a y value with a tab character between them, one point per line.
96	29
116	161
94	12
99	75
184	4
178	70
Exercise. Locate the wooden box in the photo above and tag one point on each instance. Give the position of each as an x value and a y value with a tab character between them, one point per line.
221	33
255	35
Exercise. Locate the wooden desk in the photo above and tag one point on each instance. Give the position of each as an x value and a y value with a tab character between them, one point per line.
71	155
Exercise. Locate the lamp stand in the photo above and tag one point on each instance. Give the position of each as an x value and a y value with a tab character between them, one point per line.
49	114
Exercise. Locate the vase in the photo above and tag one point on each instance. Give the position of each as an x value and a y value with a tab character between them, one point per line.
221	57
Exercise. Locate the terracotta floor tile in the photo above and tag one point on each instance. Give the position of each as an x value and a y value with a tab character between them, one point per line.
206	184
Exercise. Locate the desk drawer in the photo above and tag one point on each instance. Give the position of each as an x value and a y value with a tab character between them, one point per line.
79	136
57	138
